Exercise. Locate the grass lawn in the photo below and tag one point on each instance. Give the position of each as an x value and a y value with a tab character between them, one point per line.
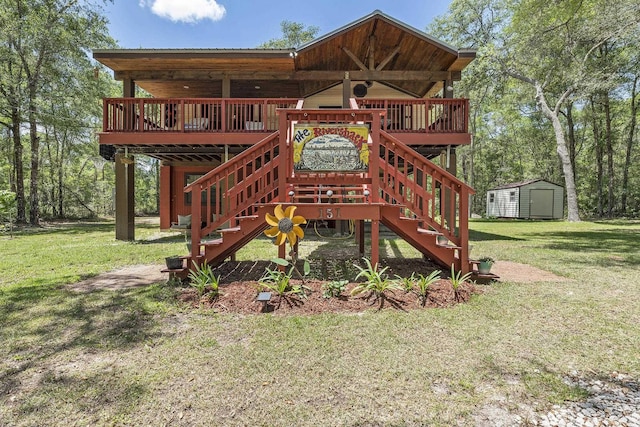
136	357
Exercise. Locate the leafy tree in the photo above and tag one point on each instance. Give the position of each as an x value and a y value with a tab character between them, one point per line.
294	35
40	39
7	206
551	50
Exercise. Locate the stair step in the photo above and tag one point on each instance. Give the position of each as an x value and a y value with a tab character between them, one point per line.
407	218
240	218
229	230
429	232
448	246
214	242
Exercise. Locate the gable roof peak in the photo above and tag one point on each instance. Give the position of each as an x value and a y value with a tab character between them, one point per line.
379	14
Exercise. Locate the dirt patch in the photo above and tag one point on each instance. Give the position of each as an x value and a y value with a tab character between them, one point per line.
523	273
124	278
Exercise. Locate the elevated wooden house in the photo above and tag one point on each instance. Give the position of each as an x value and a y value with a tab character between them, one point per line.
343	127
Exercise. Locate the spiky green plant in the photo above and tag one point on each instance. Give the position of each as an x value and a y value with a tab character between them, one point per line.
457	279
423	283
376	282
279	282
407	282
201	277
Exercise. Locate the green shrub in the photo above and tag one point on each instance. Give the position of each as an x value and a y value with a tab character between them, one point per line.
334	288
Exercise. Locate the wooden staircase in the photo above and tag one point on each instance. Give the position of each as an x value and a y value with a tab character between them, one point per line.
419	201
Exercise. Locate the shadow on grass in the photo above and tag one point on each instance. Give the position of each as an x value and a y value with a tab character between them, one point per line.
66	228
44	324
479	236
622	244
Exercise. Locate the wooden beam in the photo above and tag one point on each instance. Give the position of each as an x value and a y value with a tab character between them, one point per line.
354	58
128	88
377	75
372	52
388	59
226	87
448	93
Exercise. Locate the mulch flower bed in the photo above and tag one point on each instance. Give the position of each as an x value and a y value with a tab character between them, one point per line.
240	297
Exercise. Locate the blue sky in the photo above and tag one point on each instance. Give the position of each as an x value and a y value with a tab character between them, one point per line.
246	23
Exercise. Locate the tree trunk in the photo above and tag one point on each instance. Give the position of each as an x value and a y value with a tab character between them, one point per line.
572	138
599	167
573	213
50	174
609	149
630	135
21	216
34	211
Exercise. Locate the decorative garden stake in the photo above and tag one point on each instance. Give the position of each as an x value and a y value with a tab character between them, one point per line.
285	226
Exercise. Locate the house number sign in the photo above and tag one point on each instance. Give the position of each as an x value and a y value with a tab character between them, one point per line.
330	148
329	213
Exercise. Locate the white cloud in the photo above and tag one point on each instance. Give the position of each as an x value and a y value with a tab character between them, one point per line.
186	10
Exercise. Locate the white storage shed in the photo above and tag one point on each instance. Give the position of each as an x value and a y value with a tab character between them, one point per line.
535	198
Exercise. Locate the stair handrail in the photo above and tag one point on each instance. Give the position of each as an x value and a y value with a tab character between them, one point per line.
437	210
252	183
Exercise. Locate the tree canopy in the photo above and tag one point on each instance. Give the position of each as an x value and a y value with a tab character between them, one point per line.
552	71
294	34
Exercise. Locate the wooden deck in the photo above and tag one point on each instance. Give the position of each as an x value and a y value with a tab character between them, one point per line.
186	116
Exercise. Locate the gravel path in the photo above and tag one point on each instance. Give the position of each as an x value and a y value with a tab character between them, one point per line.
611	402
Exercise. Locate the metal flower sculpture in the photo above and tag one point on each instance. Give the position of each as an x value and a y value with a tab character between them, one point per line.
285	226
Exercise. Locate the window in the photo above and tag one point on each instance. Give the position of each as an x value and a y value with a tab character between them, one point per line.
491	197
512	196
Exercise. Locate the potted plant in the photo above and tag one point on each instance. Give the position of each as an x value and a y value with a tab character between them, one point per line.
484	265
174	262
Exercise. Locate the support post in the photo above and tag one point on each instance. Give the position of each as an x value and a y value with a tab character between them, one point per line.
196	221
346	90
464	232
374	158
165	197
125	197
360	237
129	111
375	241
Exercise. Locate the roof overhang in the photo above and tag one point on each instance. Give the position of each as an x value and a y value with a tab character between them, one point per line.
373	48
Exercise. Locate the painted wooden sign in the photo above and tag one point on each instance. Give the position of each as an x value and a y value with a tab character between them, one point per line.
335	148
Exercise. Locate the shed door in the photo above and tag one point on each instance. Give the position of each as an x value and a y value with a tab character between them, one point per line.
541	203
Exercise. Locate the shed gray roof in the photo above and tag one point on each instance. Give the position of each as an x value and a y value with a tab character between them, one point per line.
521	183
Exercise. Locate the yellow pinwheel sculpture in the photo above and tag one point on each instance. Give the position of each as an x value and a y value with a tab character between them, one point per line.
285	226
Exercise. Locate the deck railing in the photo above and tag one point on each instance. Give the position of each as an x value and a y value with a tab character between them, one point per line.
193	114
434	115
